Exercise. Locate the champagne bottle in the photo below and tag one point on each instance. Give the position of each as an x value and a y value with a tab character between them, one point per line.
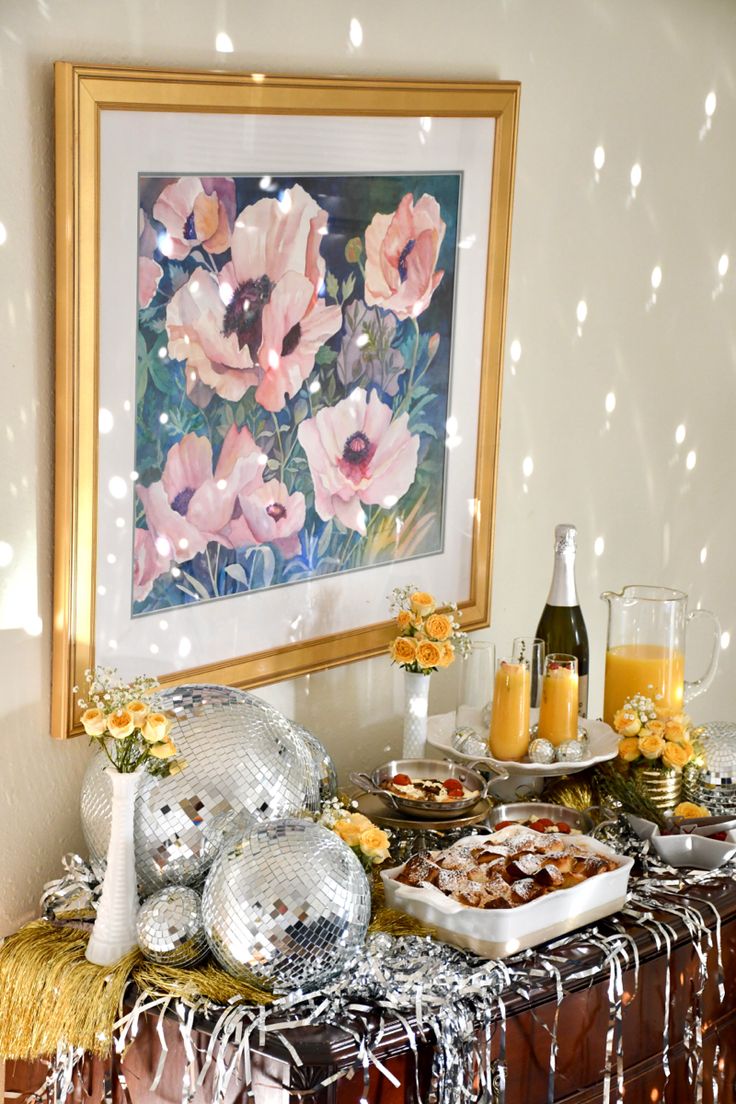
561	625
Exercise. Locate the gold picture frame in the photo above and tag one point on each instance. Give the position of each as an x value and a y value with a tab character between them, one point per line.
87	96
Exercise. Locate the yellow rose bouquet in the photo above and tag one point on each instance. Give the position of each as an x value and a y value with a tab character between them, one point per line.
428	632
648	737
116	717
369	843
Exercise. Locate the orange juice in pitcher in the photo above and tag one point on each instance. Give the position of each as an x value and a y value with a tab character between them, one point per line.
649	669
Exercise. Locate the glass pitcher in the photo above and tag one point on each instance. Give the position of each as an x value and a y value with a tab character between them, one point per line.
645	650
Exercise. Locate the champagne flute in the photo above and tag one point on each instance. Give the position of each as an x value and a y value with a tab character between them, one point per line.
531	649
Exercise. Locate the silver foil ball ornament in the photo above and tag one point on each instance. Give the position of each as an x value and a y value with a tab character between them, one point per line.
571	751
169	927
289	904
246	763
468	742
541	751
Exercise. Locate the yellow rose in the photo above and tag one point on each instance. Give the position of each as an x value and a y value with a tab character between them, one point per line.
675	755
422	603
349	832
163	750
138	710
403	619
94	722
428	654
655	728
651	747
156	729
626	722
374	844
675	731
120	724
438	626
687	747
447	654
628	749
689	809
403	650
361	821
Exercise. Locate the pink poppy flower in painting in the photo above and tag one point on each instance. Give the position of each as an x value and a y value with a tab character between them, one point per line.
275	516
148	564
195	211
216	322
190	506
294	326
358	455
149	271
401	256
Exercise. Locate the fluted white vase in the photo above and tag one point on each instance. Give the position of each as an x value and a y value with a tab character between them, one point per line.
114	933
416	701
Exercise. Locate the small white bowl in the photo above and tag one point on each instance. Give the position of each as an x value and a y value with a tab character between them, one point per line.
685	849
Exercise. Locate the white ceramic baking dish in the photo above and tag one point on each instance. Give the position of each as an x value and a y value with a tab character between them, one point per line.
497	933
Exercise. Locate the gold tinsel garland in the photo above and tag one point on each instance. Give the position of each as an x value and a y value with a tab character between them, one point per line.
51	994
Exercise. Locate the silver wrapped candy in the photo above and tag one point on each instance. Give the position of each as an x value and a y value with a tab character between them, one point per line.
571	751
289	904
169	927
541	751
246	763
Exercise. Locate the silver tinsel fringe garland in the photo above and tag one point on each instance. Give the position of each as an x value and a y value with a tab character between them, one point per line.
442	995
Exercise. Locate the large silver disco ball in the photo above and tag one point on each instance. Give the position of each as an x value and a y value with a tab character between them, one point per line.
246	763
323	764
169	927
289	904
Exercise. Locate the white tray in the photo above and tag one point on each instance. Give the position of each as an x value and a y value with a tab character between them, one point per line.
497	933
602	745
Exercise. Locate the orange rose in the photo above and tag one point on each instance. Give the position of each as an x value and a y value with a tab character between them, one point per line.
422	603
361	821
403	619
138	710
428	654
675	731
650	746
438	626
349	832
655	728
675	755
628	749
120	724
447	654
403	650
626	722
688	809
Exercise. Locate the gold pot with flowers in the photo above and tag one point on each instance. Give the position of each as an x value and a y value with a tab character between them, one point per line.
654	748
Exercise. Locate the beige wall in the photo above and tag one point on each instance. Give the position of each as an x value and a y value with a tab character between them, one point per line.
629	75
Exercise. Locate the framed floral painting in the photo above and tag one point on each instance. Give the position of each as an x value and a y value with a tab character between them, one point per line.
280	333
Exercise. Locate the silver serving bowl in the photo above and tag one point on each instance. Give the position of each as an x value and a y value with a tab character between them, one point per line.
438	769
535	810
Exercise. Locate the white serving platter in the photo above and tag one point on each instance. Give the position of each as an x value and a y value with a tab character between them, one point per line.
498	933
602	745
686	849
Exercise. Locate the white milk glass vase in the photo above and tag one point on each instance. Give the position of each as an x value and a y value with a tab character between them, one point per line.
416	699
114	934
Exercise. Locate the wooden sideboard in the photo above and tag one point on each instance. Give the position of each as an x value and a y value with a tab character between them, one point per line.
582	1030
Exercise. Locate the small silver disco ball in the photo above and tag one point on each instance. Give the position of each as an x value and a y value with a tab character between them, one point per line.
169	927
289	905
323	763
246	763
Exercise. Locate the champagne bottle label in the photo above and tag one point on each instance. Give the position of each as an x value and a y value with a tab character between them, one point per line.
582	695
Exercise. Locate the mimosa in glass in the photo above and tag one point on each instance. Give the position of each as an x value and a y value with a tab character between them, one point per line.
509	736
558	711
653	670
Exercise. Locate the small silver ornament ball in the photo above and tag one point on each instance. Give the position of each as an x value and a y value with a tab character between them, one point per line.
572	751
169	927
541	751
468	742
323	763
290	904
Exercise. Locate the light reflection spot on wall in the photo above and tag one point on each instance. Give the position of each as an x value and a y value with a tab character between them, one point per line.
117	487
581	311
163	418
599	157
120	522
6	553
185	647
34	625
163	625
610	402
527	466
680	433
111	558
153	648
515	350
711	102
703	554
3	234
112	644
102	590
224	43
635	175
691	460
600	546
725	639
723	264
105	420
356	33
656	277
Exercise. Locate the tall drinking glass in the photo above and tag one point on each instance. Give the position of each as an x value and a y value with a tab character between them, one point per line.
558	711
509	735
475	686
531	649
